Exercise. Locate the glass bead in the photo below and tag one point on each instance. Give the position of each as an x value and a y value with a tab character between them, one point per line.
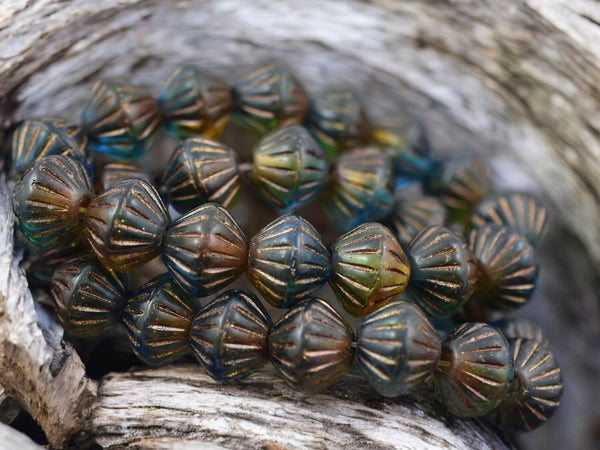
508	269
288	261
474	371
411	215
397	348
88	298
49	201
517	328
114	173
536	389
368	268
120	119
338	120
521	212
443	271
230	335
201	170
289	168
311	346
42	262
194	101
37	138
125	225
157	320
361	188
205	250
269	97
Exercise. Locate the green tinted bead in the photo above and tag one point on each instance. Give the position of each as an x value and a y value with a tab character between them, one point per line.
474	371
368	268
517	328
114	173
49	200
411	215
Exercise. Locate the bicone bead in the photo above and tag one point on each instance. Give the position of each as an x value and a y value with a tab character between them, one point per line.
88	298
205	250
230	335
508	272
474	371
121	119
201	170
397	348
157	320
411	215
288	261
126	224
114	173
289	168
42	262
49	201
443	271
521	212
361	188
37	138
338	120
536	389
517	328
368	268
194	101
269	97
311	346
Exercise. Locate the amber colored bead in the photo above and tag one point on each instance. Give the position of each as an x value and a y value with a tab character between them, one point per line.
338	120
443	271
361	188
311	346
114	173
199	171
205	250
269	97
125	225
230	335
157	320
194	101
88	298
368	268
288	261
49	201
289	168
397	348
37	138
521	212
120	119
517	328
411	215
474	371
536	389
508	270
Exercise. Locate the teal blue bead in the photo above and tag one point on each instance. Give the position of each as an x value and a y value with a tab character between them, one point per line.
157	320
115	172
120	119
397	348
518	328
288	261
289	168
229	336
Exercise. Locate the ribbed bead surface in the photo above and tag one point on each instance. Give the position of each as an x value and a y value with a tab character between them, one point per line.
338	120
289	168
114	173
361	188
194	101
42	262
288	261
311	346
201	170
517	328
157	320
411	215
397	348
474	371
443	271
368	268
536	390
229	336
125	225
48	199
269	97
205	250
521	212
121	119
509	271
37	138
